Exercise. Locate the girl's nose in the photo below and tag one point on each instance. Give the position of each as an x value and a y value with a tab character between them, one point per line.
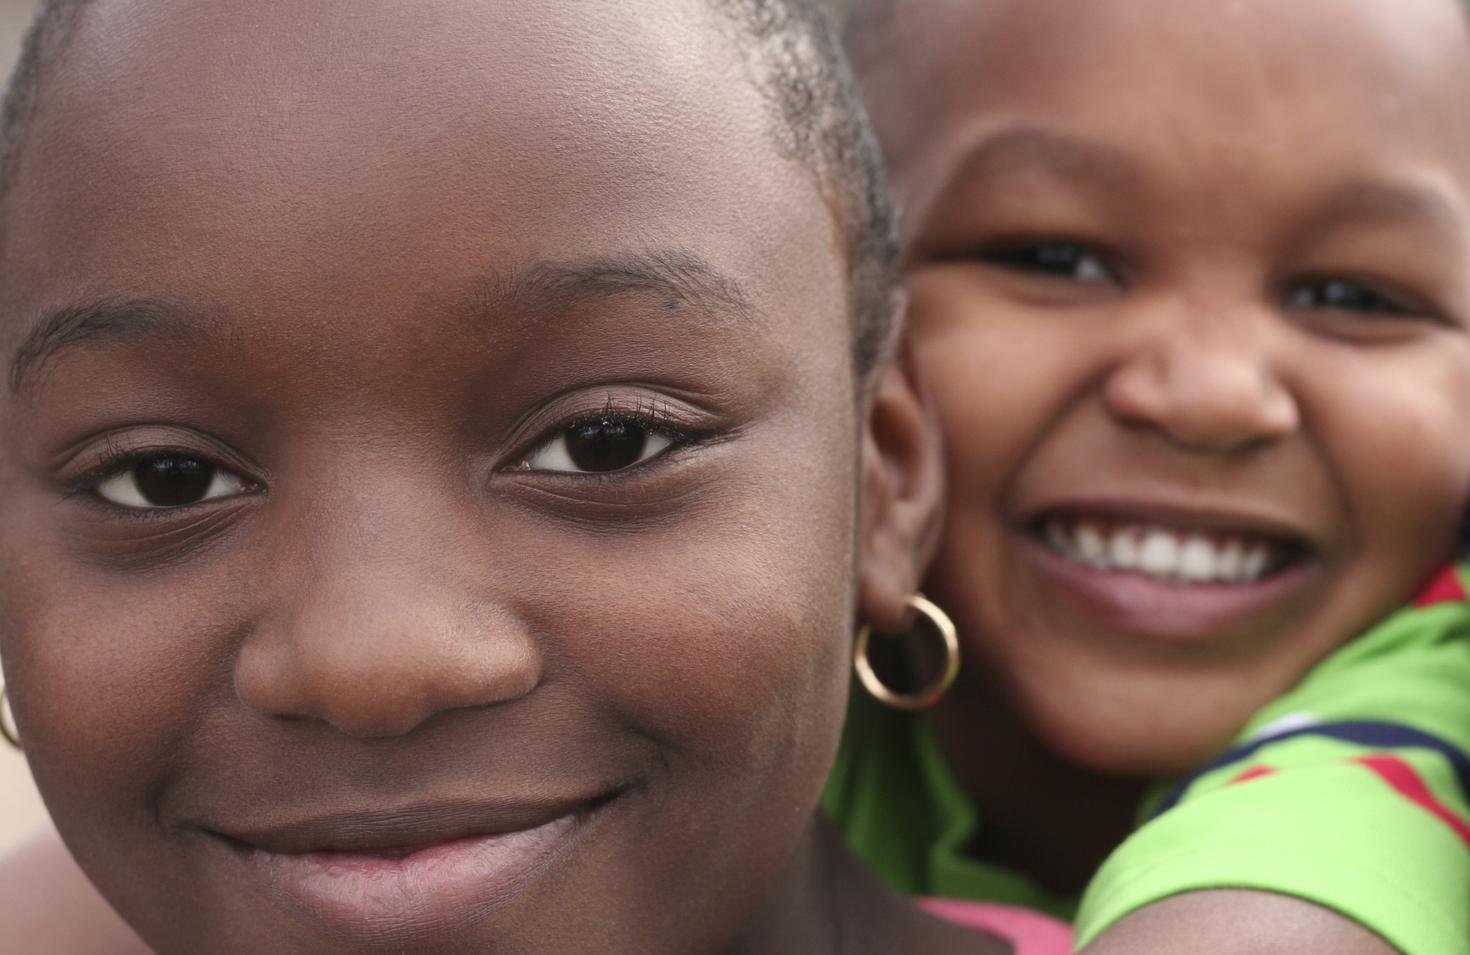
377	643
1205	386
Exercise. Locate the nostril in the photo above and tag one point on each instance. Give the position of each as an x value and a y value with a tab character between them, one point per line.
1215	401
385	680
388	713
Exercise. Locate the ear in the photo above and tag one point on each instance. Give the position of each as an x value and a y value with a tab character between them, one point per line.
903	490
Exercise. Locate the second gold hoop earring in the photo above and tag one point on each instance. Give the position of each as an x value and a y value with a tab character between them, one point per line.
927	696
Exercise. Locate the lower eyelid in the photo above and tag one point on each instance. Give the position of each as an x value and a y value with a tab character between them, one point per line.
147	540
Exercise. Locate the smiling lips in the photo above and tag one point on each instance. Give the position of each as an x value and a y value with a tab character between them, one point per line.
388	878
1134	575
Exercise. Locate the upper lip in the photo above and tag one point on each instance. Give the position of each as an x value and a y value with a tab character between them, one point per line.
402	829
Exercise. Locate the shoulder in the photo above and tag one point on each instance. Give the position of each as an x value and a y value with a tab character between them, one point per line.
1231	922
47	906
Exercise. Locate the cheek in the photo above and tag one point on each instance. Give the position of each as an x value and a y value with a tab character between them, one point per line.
734	649
1000	376
108	673
1396	441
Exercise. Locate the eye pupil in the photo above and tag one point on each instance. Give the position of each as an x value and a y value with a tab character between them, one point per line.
1048	259
1057	259
1051	260
1345	296
173	482
1337	294
606	445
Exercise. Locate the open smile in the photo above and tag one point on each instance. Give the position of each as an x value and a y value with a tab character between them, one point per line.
1166	575
1169	553
384	879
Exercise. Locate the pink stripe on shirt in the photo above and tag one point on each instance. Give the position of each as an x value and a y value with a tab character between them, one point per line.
1031	933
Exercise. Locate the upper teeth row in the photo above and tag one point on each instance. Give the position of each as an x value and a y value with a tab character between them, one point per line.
1160	552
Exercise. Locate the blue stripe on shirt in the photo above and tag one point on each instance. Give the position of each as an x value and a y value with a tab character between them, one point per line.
1372	734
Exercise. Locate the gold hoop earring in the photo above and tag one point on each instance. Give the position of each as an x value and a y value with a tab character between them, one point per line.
8	729
929	695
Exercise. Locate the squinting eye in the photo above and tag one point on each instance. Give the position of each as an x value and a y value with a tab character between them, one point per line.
598	446
168	481
1344	296
1060	260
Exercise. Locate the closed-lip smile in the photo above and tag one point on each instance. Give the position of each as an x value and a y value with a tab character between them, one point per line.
377	878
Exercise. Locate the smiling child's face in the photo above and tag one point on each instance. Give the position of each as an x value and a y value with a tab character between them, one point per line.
1189	285
421	432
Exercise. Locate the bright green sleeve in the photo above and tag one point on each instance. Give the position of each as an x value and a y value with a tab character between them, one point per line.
1352	792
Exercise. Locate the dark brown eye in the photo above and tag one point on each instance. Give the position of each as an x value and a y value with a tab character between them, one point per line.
167	482
1051	260
1341	295
599	446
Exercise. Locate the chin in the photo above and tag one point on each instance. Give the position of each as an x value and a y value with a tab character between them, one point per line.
1142	740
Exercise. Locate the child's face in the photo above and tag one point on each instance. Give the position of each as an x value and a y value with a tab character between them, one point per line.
443	426
1191	284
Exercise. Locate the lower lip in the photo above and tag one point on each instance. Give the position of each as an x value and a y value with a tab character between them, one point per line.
388	902
1151	609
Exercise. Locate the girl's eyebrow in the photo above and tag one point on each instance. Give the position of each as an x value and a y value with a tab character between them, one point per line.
1410	201
1022	148
679	280
91	322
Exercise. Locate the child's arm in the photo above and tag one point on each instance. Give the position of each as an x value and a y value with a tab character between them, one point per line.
1236	923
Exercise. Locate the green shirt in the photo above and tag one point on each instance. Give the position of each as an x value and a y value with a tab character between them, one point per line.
1351	791
893	798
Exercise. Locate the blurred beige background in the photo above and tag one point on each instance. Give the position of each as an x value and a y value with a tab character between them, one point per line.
20	808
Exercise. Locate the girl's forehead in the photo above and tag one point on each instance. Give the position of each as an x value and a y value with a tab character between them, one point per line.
349	144
1356	78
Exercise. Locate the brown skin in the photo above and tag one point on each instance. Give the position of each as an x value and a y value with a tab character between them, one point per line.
375	319
1186	362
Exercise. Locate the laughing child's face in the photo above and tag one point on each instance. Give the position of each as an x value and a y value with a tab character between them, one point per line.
419	431
1190	284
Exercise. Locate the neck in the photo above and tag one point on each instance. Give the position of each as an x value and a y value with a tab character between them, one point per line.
1043	815
825	903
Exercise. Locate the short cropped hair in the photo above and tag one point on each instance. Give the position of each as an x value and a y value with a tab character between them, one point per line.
795	59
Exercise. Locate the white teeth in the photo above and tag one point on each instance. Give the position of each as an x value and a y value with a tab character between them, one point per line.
1197	561
1123	549
1230	561
1092	547
1255	561
1160	552
1159	556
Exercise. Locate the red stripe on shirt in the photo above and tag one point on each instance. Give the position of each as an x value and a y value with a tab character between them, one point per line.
1445	588
1402	777
1255	772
